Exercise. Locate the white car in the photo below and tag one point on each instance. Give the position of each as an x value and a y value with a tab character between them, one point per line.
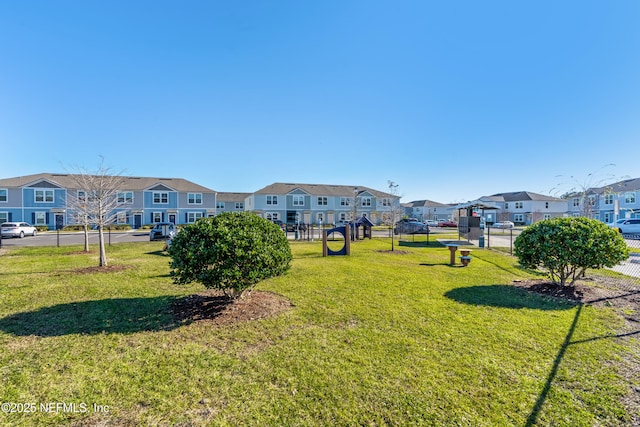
18	229
432	222
503	224
627	225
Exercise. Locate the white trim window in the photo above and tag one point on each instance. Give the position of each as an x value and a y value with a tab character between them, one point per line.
298	200
40	218
272	216
323	201
272	200
519	205
160	198
320	217
193	216
125	197
4	195
43	196
629	198
518	217
219	205
386	202
365	201
121	217
608	199
592	200
194	198
546	216
345	201
239	205
4	217
157	217
608	217
343	216
575	202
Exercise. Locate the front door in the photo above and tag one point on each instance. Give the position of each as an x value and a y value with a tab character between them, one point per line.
172	218
137	221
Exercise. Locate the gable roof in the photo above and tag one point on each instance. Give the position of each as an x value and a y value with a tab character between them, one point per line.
129	182
231	197
321	190
632	184
519	196
427	204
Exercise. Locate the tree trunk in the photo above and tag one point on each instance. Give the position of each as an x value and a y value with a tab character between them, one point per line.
86	238
103	254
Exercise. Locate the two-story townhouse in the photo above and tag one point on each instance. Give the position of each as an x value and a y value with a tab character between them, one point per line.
519	207
46	200
320	203
423	210
608	203
230	202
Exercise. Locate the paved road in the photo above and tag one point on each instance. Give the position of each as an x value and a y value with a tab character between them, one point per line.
52	238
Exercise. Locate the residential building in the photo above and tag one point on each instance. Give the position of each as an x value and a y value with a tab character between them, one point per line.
45	200
320	203
608	203
520	207
230	202
423	210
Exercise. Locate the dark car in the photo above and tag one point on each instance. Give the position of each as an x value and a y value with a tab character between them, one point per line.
411	227
163	231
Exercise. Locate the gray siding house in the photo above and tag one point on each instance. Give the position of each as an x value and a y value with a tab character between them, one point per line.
608	203
44	200
320	203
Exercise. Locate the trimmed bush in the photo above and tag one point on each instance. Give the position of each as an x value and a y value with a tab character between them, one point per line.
232	251
566	247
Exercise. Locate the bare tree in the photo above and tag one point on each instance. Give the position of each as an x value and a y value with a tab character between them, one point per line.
96	201
394	213
581	190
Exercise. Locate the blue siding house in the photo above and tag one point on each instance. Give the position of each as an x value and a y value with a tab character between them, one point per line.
44	199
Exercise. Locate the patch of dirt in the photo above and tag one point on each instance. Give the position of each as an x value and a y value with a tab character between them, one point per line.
213	306
98	269
397	252
623	297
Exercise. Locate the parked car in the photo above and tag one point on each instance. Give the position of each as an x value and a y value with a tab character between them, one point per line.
163	231
503	224
18	229
432	222
342	223
447	224
625	225
411	227
279	223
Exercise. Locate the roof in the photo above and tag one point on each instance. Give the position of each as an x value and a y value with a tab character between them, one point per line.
632	184
321	189
130	182
231	197
519	196
427	203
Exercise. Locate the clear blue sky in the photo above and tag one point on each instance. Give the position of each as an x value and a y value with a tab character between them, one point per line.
450	100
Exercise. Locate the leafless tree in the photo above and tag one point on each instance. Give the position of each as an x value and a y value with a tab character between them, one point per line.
394	213
581	190
96	201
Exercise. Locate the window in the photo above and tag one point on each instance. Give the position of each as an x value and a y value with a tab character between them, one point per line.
575	202
272	216
519	205
608	199
4	217
628	197
518	218
345	201
125	197
592	200
219	205
320	217
3	195
239	205
41	218
608	217
272	200
323	201
546	206
44	196
546	216
121	217
160	198
343	216
194	198
157	217
386	202
506	205
298	200
193	216
366	201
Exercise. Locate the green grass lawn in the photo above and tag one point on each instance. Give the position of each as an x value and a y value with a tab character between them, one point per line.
376	338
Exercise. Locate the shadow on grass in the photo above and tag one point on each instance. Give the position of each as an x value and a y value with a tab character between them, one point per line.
505	296
158	253
422	244
119	315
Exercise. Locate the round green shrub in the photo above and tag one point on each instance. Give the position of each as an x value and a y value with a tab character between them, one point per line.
566	247
232	252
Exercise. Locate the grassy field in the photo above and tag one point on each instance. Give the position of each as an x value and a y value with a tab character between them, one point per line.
376	338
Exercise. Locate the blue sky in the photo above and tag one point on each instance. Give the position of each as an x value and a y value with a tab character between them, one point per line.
450	100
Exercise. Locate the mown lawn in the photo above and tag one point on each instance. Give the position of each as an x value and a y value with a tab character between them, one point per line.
376	338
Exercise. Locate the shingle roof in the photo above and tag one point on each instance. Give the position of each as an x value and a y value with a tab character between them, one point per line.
632	184
320	189
130	182
231	197
427	203
519	196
